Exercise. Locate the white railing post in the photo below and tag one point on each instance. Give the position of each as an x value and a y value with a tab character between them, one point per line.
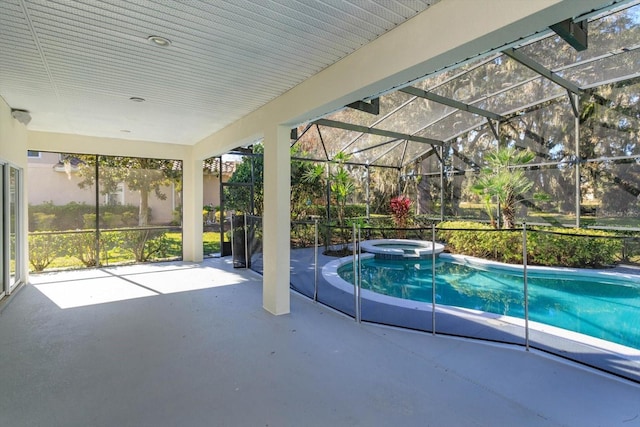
355	275
526	289
433	278
315	263
359	277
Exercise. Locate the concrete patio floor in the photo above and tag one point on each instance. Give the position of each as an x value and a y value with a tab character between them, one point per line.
183	344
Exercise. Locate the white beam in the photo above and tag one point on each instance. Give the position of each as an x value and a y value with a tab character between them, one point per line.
84	144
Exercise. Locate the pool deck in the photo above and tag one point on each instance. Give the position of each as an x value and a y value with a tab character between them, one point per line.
190	345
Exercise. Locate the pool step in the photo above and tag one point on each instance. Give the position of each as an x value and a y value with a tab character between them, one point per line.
411	255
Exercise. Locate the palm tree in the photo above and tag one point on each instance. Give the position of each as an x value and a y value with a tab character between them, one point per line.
504	180
340	181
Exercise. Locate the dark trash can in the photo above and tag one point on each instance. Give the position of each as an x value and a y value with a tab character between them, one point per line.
241	257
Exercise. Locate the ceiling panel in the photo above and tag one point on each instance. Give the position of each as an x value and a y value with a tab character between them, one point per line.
75	64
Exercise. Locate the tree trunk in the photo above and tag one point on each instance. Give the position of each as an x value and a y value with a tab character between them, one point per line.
143	214
509	212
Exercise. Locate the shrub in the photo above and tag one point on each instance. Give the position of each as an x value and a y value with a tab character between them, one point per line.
89	220
572	248
130	218
73	216
499	245
302	235
400	206
550	246
145	244
83	247
176	216
109	241
43	249
43	221
66	217
111	220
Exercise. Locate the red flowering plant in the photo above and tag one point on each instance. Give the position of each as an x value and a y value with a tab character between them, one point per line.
400	210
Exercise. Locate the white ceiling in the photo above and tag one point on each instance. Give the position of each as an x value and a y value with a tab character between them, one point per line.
75	64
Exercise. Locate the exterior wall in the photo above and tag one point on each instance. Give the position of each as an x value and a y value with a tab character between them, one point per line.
211	193
13	138
49	185
211	181
13	149
161	210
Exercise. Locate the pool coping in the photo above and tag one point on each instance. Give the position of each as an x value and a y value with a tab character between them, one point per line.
330	274
426	247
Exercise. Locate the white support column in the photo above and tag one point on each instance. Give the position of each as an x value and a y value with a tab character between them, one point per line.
192	203
277	220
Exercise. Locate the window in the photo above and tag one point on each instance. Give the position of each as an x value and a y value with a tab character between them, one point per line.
33	154
115	197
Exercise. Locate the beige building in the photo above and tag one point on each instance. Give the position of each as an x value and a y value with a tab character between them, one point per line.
50	181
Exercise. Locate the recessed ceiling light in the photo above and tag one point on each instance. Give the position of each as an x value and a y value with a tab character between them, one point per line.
137	99
159	41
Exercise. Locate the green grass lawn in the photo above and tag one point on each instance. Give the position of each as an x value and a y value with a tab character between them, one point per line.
118	255
210	242
586	221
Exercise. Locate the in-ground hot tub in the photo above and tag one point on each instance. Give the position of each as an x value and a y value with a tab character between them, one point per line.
401	248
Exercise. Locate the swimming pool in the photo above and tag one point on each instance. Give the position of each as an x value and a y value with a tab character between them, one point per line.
600	304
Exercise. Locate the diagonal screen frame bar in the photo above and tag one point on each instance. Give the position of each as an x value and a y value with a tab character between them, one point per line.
543	71
451	103
375	131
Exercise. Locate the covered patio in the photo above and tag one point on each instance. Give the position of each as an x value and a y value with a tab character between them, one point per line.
92	99
197	342
220	359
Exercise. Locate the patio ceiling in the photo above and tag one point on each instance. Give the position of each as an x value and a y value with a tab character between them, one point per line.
79	67
480	93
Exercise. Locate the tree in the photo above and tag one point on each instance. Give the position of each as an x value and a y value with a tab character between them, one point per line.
340	182
147	176
250	170
384	185
504	180
608	129
303	191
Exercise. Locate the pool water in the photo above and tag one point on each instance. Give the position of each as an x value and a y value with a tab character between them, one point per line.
602	307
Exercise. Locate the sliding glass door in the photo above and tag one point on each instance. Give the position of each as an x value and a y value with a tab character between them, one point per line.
4	255
11	260
14	227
